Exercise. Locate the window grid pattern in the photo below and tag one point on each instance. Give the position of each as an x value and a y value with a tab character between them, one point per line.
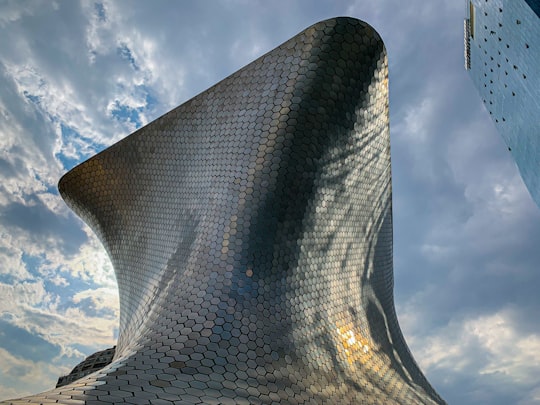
504	66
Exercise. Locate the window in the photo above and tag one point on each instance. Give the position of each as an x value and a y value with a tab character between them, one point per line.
471	17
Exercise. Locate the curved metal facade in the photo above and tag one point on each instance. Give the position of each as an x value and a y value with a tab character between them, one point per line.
251	233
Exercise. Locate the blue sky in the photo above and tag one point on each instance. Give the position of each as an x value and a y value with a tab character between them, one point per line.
77	76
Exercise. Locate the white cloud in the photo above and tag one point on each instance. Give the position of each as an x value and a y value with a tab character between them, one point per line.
487	344
29	294
37	311
90	264
59	103
29	304
11	258
510	352
415	121
21	377
144	66
102	298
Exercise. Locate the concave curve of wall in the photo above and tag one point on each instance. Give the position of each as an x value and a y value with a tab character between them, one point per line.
250	230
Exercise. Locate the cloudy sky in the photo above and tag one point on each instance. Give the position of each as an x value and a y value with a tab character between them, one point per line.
76	76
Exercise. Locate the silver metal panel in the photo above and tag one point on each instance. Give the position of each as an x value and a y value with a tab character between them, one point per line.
251	233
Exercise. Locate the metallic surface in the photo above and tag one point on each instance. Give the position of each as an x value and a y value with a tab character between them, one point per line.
251	233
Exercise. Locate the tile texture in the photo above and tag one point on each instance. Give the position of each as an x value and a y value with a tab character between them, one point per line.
251	233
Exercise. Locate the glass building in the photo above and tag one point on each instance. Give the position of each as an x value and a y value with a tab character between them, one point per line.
502	55
92	363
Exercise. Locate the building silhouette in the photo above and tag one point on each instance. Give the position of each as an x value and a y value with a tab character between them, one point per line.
502	55
94	362
250	230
